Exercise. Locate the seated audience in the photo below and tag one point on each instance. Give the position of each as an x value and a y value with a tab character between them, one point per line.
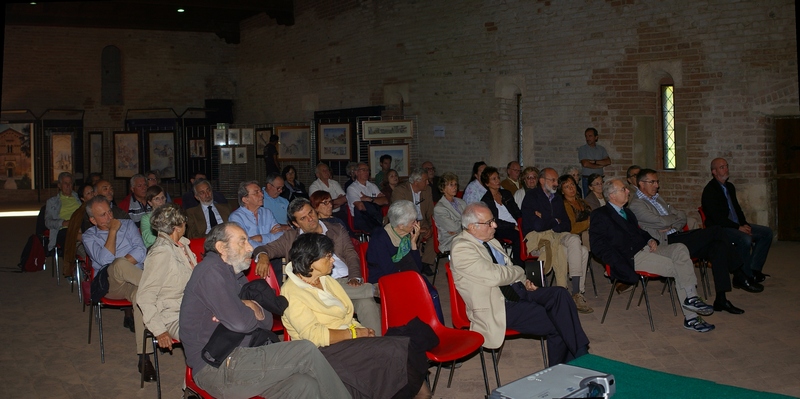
208	213
104	189
393	248
292	187
59	209
619	241
273	200
365	201
73	243
545	220
389	183
351	174
475	190
417	191
512	183
322	203
501	202
117	252
135	203
256	220
167	269
321	311
293	369
594	198
153	179
347	265
530	176
447	212
433	180
575	173
324	182
155	198
577	210
190	199
386	164
498	296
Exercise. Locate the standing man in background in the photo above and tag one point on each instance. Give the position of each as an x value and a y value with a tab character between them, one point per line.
593	157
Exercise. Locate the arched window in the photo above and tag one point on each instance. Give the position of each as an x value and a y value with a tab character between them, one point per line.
668	125
111	76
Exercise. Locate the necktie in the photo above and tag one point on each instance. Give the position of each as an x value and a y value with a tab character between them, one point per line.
212	220
507	291
731	210
623	214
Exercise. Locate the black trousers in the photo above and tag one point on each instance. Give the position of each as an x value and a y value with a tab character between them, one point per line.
548	312
713	245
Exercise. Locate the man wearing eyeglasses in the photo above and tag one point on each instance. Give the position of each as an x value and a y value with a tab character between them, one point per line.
433	180
544	219
257	221
346	264
273	199
365	199
512	183
618	240
499	296
666	224
325	183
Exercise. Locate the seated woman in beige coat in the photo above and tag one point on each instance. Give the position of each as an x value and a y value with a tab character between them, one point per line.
447	212
320	311
167	269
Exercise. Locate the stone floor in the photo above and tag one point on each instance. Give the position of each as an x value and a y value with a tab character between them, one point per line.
47	355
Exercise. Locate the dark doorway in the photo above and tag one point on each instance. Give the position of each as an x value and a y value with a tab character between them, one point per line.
788	140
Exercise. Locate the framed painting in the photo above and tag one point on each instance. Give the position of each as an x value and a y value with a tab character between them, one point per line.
220	137
61	153
126	154
197	148
261	140
294	143
247	136
399	155
240	155
18	148
95	152
233	137
226	156
334	141
161	153
385	130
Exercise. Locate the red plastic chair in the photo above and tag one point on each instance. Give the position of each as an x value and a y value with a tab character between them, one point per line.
192	387
277	324
97	311
361	248
460	194
643	278
405	296
154	341
439	254
196	245
362	235
458	313
178	201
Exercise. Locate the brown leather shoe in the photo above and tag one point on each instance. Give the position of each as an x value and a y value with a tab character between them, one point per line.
623	288
148	370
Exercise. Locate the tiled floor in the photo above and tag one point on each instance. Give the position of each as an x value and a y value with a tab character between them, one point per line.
46	353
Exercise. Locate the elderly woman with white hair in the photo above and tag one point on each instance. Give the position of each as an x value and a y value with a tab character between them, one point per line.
167	269
393	248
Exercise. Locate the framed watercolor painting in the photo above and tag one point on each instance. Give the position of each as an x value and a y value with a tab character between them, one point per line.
234	137
226	155
247	136
61	153
197	148
240	155
385	130
220	137
399	155
126	154
294	143
95	152
334	141
161	153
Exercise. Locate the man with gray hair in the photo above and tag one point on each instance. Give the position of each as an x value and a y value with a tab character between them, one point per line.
324	182
293	369
619	241
417	190
257	221
135	203
273	199
365	200
209	213
59	209
498	296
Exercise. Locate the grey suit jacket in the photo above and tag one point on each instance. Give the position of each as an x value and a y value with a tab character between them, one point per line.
652	222
448	220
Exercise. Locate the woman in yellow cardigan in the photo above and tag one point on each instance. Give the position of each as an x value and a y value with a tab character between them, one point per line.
320	311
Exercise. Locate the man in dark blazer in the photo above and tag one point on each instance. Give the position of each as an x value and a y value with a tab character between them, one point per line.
200	220
722	209
617	239
346	264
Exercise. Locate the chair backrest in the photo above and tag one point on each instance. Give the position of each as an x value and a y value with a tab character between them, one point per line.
362	247
435	233
523	247
178	201
196	245
404	296
702	216
458	308
350	222
460	194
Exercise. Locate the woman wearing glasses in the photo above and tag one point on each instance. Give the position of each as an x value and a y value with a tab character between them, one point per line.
322	203
530	176
594	198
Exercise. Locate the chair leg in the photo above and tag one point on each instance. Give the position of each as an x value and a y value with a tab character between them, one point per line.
630	299
485	377
708	280
91	315
452	371
544	350
670	283
146	334
591	273
495	363
77	279
155	361
100	332
436	378
608	302
647	303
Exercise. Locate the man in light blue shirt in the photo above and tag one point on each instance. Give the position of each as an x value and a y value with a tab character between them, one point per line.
273	200
257	221
116	245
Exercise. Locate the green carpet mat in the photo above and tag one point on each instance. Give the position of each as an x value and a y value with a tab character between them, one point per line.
637	382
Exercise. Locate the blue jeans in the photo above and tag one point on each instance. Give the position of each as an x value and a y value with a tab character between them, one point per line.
753	260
